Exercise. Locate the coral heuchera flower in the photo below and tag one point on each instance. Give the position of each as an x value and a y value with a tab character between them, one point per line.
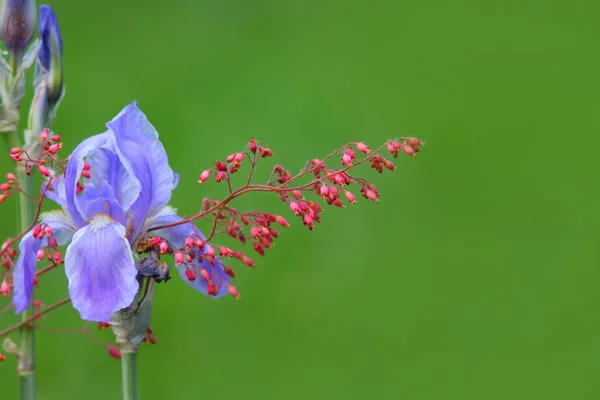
116	187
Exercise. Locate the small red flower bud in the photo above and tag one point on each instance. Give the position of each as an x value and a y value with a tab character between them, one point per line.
204	176
351	153
239	157
265	152
363	148
190	274
189	242
253	145
297	194
179	258
221	166
229	272
200	244
11	177
2	357
5	186
413	141
40	254
350	196
281	221
245	259
255	232
3	197
210	252
164	246
295	208
371	195
37	303
409	150
219	176
233	291
337	203
4	288
204	274
55	138
324	191
86	174
156	240
52	242
230	158
15	151
346	160
103	325
259	249
48	230
211	288
307	220
389	165
44	135
225	251
43	170
54	148
57	257
114	352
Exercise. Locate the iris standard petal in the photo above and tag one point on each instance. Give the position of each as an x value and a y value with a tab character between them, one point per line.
176	236
107	166
23	274
74	168
100	269
54	189
140	151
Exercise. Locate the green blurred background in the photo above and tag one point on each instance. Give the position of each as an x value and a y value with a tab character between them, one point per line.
475	277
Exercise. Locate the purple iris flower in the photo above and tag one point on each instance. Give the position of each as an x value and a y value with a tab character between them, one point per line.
126	194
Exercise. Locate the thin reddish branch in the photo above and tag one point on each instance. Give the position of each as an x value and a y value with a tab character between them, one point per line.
34	317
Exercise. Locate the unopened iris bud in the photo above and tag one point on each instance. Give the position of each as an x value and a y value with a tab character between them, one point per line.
50	55
17	23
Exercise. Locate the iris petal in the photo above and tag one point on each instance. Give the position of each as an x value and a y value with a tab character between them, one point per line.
176	237
23	274
142	154
100	269
74	168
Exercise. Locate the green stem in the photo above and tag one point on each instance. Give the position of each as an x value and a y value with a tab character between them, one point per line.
26	356
129	372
